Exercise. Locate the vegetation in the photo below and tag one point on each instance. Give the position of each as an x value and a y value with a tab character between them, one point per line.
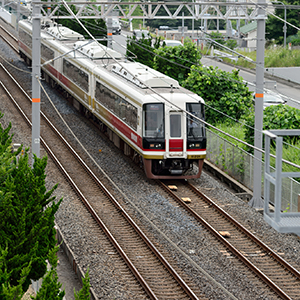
97	27
84	293
220	39
26	219
223	92
177	61
29	210
50	288
275	117
142	50
27	234
274	26
274	58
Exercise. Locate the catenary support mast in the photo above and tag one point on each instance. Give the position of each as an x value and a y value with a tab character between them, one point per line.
36	91
256	201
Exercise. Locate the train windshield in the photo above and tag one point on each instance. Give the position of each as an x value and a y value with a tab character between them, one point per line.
154	123
195	128
175	125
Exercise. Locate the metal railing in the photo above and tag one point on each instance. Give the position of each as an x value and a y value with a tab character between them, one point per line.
239	164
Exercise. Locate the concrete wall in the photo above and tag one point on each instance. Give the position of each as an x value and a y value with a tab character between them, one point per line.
71	257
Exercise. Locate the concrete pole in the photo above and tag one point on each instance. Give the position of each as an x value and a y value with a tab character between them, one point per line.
36	72
257	201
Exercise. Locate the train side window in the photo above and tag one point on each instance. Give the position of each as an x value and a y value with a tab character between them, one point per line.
47	53
75	74
120	107
25	37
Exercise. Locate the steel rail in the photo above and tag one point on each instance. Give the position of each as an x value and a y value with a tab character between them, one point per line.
235	251
151	294
7	41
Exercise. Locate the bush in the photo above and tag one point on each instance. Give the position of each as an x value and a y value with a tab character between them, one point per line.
275	117
180	60
222	91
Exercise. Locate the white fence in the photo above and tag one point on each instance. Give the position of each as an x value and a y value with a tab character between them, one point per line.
239	164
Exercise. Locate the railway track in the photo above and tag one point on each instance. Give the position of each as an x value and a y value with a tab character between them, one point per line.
253	254
155	276
9	38
237	241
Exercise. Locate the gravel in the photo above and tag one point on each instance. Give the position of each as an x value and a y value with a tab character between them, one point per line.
187	242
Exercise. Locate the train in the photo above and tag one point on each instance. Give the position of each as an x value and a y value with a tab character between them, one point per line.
145	113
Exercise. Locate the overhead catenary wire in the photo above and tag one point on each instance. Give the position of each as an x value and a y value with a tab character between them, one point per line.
188	113
166	100
230	295
270	13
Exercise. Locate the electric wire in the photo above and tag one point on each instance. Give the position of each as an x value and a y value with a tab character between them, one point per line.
270	13
132	203
166	100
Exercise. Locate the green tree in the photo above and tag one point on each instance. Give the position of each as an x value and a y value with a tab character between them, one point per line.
219	38
231	43
274	26
177	61
84	293
26	215
142	50
50	288
7	291
222	91
97	27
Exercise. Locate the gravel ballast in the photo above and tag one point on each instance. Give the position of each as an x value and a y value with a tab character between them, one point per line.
190	245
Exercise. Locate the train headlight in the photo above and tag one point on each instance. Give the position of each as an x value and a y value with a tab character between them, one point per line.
156	145
194	145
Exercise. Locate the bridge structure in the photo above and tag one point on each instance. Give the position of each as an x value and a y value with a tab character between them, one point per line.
198	10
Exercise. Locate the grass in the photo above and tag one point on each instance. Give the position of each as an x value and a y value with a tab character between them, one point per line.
235	130
274	58
290	153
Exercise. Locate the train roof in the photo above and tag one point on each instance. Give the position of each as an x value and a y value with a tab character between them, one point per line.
144	76
95	50
64	33
107	64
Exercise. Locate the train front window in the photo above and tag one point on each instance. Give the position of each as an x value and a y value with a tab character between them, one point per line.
153	116
195	128
175	125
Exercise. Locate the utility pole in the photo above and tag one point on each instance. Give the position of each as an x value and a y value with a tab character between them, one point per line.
109	32
36	72
284	26
257	201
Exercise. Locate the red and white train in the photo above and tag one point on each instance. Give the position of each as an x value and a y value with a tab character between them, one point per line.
142	110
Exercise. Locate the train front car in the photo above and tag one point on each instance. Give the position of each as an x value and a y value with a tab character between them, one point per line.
173	138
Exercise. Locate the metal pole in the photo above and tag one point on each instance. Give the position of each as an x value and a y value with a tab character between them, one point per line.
36	91
257	201
182	31
284	26
18	14
109	32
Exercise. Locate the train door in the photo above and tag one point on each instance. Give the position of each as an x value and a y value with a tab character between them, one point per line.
176	134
